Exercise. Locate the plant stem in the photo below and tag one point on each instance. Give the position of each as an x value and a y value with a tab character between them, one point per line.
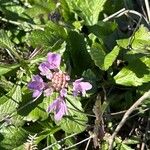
147	9
113	15
125	117
29	25
79	142
50	146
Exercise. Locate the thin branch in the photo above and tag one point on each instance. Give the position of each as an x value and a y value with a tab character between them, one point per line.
87	145
125	117
11	55
147	9
79	142
137	26
50	146
142	8
145	134
143	111
117	113
124	12
114	15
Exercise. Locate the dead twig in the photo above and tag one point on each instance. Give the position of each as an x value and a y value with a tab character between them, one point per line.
145	134
125	117
147	9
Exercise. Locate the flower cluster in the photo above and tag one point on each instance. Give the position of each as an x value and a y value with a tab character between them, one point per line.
57	81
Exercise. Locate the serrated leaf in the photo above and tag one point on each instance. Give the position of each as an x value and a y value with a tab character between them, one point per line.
12	137
88	10
76	121
11	102
7	44
52	35
5	41
36	110
140	43
40	7
98	54
110	57
76	48
135	74
5	84
100	58
13	11
65	11
6	68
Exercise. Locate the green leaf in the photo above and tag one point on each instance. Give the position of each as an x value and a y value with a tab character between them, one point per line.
140	43
36	110
66	12
5	41
102	29
110	57
132	140
76	121
40	7
7	44
70	141
12	137
13	11
7	68
11	102
121	146
5	84
88	10
53	140
52	36
76	50
98	54
135	74
21	147
125	147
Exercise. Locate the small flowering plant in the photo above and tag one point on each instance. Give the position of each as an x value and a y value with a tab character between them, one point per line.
56	81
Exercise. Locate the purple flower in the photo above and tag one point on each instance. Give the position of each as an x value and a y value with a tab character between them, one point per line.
58	81
45	71
53	60
81	87
37	85
63	92
48	91
59	107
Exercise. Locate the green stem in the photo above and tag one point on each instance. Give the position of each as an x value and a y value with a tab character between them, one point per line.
31	26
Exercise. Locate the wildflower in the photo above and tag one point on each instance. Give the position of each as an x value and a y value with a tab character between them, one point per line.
59	107
37	85
81	87
57	81
45	71
53	60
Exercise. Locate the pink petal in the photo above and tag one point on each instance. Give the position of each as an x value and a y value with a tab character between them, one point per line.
53	105
86	85
53	60
37	93
61	112
63	92
48	92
